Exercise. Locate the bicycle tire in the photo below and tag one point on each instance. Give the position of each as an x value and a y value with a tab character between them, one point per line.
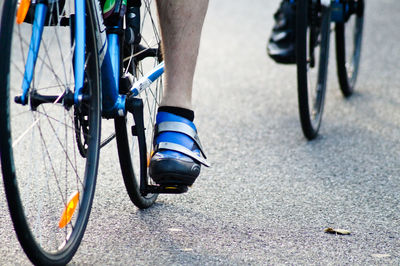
347	68
41	164
129	147
312	26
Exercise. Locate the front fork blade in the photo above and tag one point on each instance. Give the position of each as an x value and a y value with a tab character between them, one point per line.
36	37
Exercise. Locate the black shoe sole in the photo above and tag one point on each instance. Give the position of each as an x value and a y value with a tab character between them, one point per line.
283	59
173	172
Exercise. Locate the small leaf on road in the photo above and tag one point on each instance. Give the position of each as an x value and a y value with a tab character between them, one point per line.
380	256
337	231
175	230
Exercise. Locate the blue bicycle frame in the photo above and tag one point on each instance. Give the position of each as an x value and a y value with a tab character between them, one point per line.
112	102
339	9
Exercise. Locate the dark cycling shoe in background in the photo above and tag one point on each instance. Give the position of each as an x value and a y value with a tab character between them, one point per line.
281	45
177	151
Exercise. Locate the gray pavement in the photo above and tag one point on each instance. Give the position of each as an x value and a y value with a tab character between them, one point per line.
269	193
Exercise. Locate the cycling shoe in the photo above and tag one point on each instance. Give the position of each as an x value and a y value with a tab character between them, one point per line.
281	45
178	154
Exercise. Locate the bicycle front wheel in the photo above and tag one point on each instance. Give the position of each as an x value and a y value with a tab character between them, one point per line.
312	53
348	46
138	60
49	149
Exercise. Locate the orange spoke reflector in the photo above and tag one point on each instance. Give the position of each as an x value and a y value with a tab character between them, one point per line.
149	157
69	210
23	10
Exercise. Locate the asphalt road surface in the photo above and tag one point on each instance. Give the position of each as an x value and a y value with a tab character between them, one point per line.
269	193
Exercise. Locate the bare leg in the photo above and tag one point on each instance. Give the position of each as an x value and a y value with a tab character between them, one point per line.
181	23
177	158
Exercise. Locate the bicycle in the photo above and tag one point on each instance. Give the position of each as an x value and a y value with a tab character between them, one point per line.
62	69
313	27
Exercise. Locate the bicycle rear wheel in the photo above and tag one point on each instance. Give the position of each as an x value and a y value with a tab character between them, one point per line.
49	151
138	60
312	53
348	46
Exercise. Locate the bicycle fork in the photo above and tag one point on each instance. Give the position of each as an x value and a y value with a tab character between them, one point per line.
78	23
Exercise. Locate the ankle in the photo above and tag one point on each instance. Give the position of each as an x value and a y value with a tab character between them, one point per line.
183	112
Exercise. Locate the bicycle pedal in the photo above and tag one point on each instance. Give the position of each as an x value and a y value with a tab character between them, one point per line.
167	189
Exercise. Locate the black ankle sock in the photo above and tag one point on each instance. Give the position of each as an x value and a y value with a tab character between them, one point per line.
186	113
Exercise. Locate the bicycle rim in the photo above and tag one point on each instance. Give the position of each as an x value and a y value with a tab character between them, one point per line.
348	49
312	53
128	145
48	183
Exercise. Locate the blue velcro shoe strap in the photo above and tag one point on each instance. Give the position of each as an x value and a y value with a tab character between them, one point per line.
179	148
180	128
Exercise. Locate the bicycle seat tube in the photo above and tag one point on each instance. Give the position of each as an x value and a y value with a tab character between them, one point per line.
113	103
